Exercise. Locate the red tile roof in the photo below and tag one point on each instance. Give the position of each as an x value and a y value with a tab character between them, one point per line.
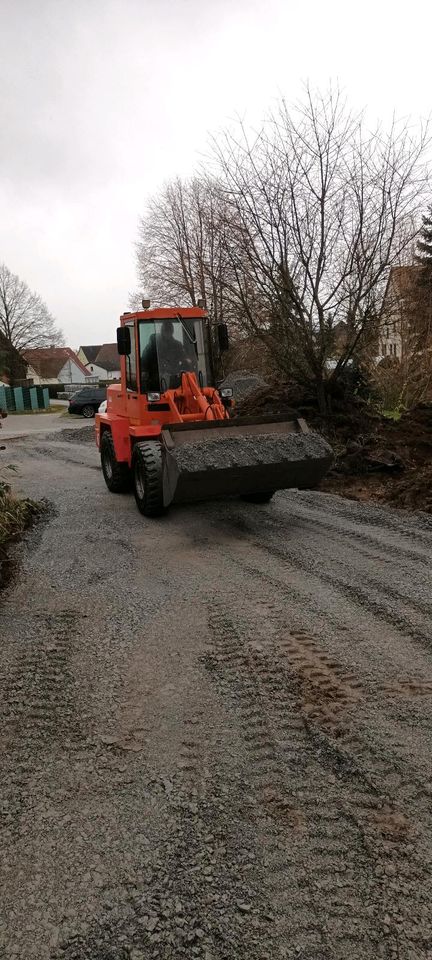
48	361
108	357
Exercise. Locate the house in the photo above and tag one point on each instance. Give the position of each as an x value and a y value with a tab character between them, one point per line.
406	314
88	354
54	365
106	362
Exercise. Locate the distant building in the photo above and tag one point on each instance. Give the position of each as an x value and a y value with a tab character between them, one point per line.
101	361
55	365
88	354
406	315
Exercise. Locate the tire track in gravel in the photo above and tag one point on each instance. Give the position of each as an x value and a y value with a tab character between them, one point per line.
386	520
306	603
416	784
38	709
383	586
379	547
306	834
330	801
298	559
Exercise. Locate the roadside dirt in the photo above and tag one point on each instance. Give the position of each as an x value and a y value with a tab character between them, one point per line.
376	458
215	729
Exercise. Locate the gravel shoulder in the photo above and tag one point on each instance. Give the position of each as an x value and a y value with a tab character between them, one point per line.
216	733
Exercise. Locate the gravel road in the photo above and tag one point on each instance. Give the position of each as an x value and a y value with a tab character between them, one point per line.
216	729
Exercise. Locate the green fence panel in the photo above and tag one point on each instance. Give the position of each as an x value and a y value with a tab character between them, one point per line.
46	399
19	399
26	398
10	399
34	398
2	398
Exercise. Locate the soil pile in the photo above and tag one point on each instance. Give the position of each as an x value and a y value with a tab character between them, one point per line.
376	458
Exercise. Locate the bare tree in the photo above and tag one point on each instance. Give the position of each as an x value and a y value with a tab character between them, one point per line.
181	253
318	210
25	320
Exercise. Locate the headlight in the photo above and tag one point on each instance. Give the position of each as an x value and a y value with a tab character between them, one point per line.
226	392
152	397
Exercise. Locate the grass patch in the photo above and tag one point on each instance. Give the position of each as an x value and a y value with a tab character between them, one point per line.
15	514
54	408
392	414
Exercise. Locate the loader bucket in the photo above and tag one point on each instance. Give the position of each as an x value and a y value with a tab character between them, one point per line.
221	458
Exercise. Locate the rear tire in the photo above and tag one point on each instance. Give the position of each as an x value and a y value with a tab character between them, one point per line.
117	475
88	411
258	497
147	478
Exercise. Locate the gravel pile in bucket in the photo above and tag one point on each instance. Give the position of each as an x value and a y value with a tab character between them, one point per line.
247	451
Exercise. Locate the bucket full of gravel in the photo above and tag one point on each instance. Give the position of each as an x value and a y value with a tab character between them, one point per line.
241	458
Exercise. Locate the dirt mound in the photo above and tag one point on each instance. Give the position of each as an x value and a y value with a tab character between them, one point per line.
348	414
414	491
376	458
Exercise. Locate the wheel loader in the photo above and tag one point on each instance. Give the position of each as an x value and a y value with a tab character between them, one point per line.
169	433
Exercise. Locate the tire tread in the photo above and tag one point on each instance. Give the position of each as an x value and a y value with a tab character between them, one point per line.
120	481
150	453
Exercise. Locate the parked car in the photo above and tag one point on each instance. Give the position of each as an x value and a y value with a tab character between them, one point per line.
87	401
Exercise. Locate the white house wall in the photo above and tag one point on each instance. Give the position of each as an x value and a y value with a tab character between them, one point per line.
71	373
97	371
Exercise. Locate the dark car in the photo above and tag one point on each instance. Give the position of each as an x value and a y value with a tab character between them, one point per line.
87	401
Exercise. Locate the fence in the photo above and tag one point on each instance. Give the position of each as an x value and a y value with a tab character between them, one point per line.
20	399
70	388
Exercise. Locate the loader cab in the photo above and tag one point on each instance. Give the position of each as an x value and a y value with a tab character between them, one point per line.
159	345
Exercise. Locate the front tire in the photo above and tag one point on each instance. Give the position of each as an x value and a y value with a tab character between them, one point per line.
117	475
147	478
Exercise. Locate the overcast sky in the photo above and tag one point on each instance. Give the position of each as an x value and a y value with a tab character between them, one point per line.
101	100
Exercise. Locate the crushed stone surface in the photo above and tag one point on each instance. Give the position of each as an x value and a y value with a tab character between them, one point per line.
216	729
250	450
75	435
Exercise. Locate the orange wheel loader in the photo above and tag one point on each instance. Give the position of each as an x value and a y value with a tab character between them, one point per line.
167	431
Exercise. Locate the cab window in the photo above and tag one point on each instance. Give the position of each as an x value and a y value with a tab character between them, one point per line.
131	370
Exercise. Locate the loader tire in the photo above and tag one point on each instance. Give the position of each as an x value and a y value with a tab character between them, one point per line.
147	478
117	475
258	497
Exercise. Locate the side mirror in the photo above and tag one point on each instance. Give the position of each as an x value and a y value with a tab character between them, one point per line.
223	337
123	341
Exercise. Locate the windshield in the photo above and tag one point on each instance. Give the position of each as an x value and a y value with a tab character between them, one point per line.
169	348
